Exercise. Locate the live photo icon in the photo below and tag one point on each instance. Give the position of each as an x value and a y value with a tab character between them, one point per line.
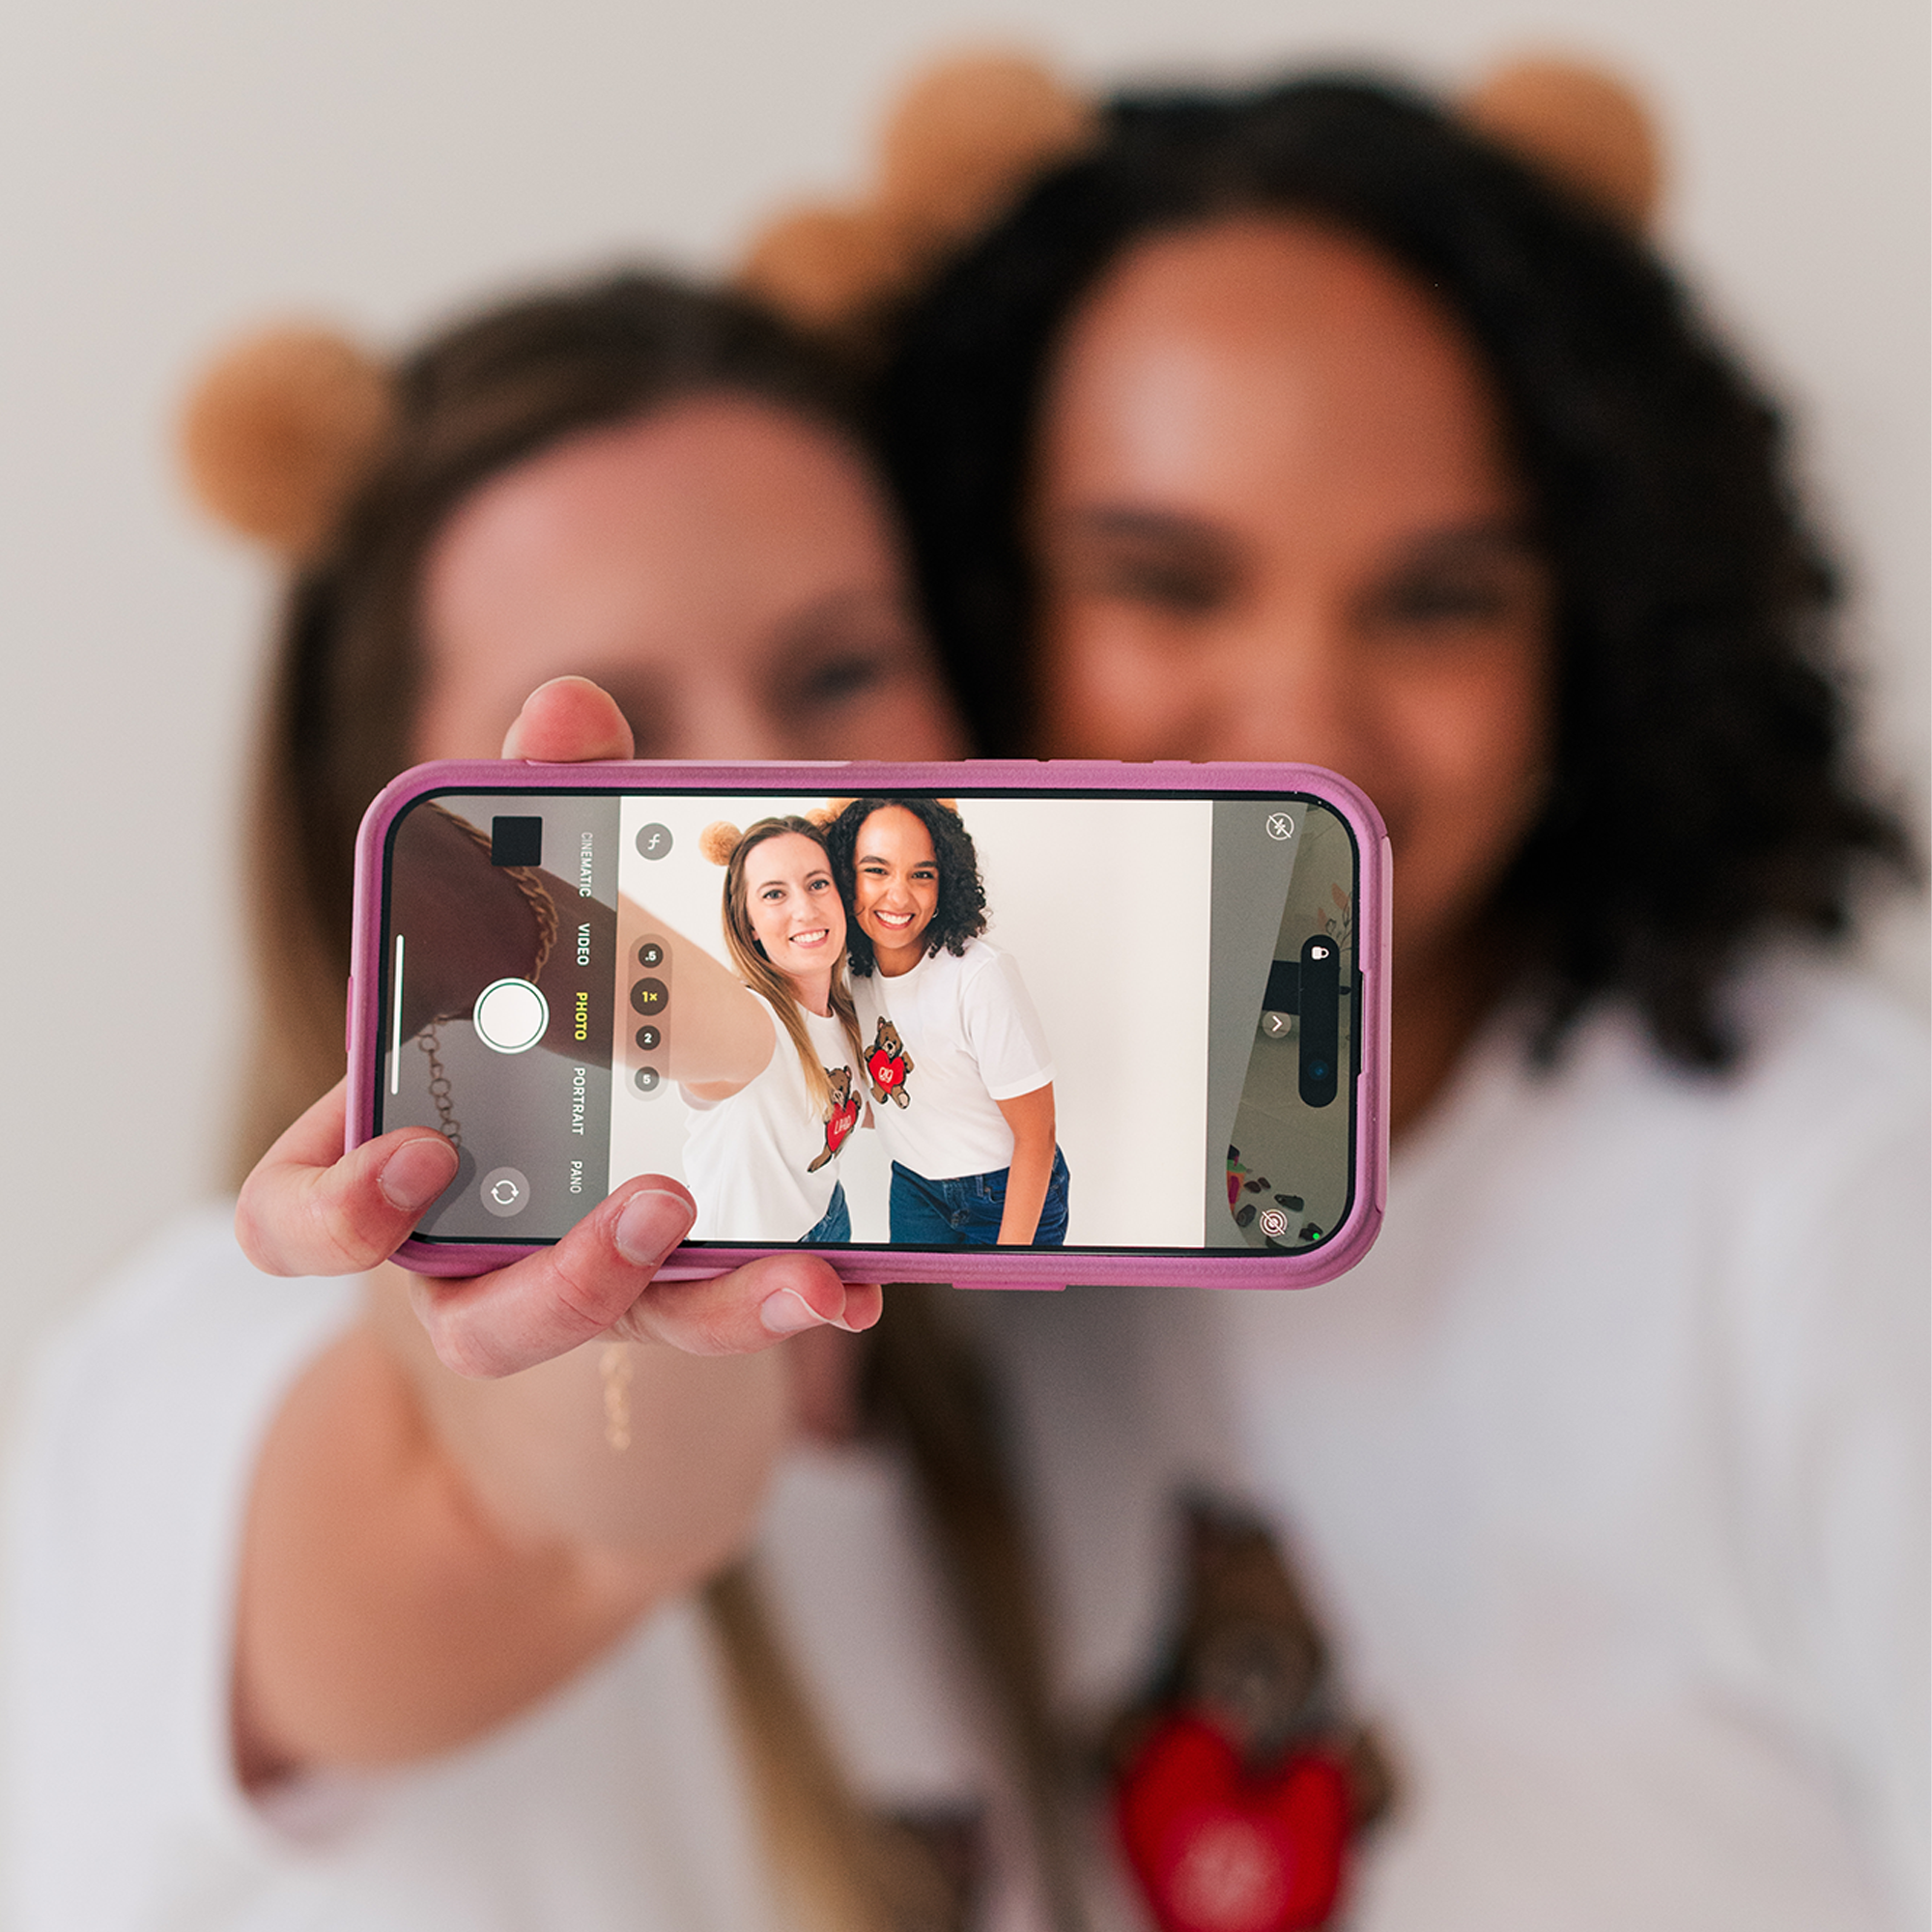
515	841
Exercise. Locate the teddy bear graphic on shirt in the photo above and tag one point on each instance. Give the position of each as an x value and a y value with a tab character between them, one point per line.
842	1118
890	1065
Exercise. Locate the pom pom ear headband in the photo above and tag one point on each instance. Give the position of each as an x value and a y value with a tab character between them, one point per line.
279	430
967	136
964	138
719	840
284	425
1581	125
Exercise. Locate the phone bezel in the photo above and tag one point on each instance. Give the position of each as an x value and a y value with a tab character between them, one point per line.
980	1268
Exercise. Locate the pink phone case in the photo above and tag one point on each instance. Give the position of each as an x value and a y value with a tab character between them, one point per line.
974	1267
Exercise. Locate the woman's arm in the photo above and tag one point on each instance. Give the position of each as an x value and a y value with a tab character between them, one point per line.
1030	1119
438	1531
723	1036
426	1554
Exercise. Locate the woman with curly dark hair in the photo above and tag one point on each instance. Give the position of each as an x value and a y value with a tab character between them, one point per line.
1308	423
960	1074
954	901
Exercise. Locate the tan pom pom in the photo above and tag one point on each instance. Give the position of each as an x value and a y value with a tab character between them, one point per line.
1580	124
823	265
968	134
279	431
719	840
825	816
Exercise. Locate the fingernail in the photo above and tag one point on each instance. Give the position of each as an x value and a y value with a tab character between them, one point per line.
788	1312
415	1174
652	1224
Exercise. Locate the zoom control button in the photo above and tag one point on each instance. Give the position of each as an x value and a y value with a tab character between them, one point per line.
651	952
647	1080
649	1038
505	1191
650	997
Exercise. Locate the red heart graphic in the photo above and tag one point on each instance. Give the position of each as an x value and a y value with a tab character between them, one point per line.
1218	1849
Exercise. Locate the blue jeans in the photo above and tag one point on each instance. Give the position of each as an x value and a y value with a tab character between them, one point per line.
966	1212
836	1229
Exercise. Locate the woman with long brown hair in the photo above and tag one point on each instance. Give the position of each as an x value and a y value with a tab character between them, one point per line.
403	1603
762	1154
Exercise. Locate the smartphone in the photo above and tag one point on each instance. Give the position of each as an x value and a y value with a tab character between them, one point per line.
996	1023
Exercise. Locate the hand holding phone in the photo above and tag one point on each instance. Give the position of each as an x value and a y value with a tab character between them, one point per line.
1007	1024
309	1207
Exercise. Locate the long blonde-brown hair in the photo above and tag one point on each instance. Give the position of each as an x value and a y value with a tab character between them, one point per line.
748	954
489	394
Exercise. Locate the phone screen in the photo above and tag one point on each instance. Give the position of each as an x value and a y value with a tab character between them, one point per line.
1100	1021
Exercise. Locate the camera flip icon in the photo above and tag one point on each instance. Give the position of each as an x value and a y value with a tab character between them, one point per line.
505	1191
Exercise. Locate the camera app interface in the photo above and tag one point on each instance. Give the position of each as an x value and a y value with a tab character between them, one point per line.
1089	1021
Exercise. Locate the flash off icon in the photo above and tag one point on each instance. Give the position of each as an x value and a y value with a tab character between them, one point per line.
1280	826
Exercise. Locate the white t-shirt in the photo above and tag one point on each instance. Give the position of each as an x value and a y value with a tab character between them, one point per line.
1607	1468
617	1805
762	1165
942	1044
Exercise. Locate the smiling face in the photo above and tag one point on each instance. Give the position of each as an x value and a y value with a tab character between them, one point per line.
896	886
724	568
793	909
1276	520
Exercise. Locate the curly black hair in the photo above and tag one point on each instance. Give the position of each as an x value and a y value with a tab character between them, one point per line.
961	912
1702	797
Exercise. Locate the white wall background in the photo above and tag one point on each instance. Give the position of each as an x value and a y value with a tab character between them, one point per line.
168	173
1105	907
